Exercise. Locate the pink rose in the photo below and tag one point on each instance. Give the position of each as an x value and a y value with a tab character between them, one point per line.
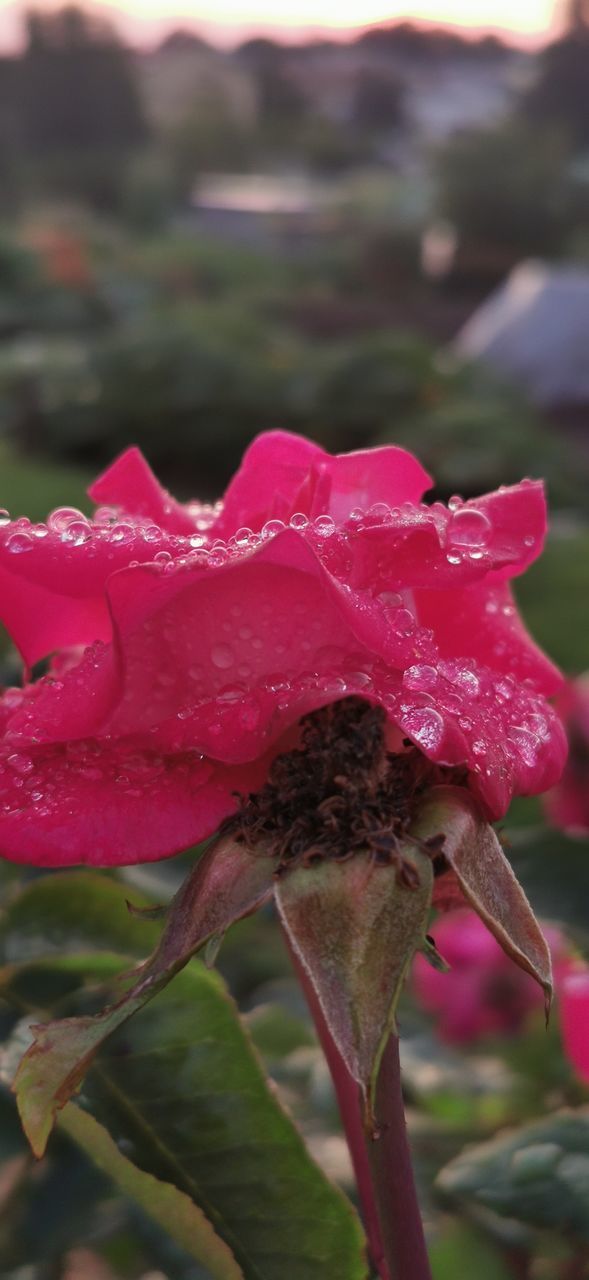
190	640
567	805
484	993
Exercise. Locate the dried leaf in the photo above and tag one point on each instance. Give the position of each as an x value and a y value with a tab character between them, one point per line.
225	885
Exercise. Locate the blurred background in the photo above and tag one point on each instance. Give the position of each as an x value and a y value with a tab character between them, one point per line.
230	218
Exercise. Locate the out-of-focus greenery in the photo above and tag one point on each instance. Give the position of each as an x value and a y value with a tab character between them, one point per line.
189	350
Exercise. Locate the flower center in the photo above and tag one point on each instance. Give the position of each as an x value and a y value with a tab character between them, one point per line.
341	793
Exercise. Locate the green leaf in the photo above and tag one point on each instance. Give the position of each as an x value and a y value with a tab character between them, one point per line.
465	1252
86	908
539	1174
170	1208
182	1088
486	878
554	871
226	884
355	926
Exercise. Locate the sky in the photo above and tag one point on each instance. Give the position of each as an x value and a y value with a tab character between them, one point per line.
145	21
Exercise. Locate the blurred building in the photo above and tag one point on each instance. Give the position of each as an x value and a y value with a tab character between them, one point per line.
259	208
534	330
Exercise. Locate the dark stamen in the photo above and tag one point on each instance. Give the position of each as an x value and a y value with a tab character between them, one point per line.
342	793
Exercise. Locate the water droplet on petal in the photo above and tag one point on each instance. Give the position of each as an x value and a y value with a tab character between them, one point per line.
22	765
243	536
272	527
4	517
298	520
324	526
59	519
77	532
222	656
469	527
18	542
425	726
420	677
122	533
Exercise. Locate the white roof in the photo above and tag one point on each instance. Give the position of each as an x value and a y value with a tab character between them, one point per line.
534	329
256	194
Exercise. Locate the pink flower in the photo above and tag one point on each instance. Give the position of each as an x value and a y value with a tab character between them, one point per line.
484	993
191	640
567	805
574	1020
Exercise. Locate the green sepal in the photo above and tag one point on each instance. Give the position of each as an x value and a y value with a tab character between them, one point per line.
355	926
486	879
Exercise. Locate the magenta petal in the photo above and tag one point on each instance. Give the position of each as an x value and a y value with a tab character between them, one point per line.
104	804
270	477
130	484
282	474
480	621
40	619
53	587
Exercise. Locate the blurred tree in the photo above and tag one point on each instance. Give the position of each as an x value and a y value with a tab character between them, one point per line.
378	102
80	106
561	91
506	187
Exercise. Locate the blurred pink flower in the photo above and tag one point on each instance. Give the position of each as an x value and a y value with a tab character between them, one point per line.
567	805
574	1020
484	994
205	633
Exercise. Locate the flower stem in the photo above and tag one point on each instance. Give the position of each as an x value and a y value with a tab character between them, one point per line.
392	1177
382	1166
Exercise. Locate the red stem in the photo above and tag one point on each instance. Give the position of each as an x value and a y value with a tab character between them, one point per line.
392	1176
382	1167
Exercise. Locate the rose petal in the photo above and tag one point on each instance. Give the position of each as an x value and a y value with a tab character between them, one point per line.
130	484
104	804
282	474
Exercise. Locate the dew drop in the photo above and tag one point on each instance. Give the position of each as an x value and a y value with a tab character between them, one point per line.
59	519
222	656
391	599
380	511
19	542
105	516
4	517
231	693
22	765
404	622
469	527
299	520
122	533
242	537
77	532
426	727
272	527
324	526
420	677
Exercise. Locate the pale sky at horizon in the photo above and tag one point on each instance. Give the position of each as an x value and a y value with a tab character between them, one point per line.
145	21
